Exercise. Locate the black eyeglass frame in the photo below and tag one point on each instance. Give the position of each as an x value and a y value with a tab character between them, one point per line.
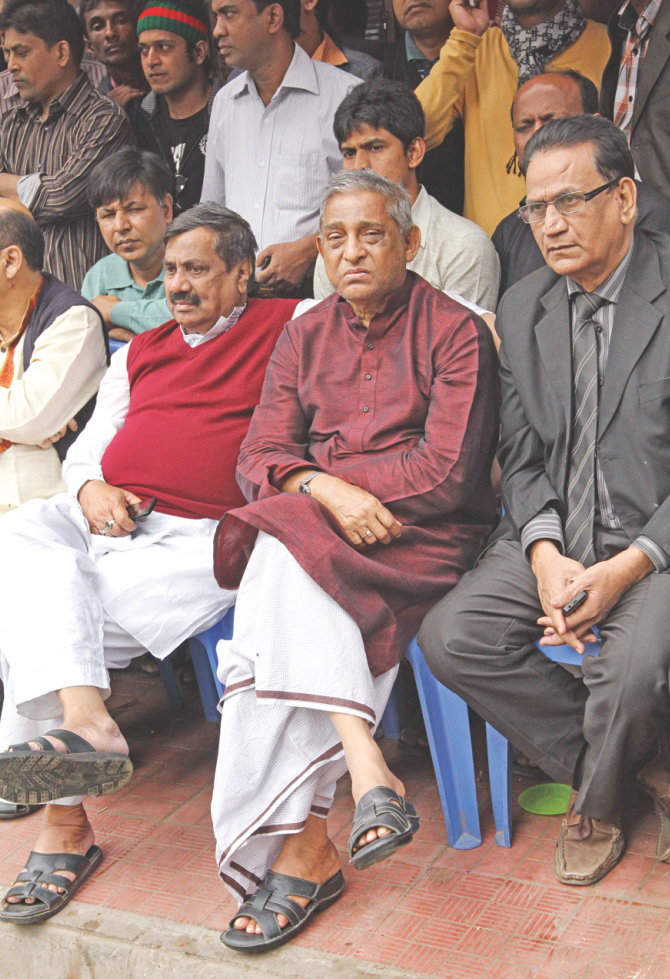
586	197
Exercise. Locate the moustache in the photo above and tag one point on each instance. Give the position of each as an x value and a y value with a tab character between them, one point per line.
191	297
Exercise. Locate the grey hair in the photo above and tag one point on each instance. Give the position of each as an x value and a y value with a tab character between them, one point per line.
612	157
398	204
234	238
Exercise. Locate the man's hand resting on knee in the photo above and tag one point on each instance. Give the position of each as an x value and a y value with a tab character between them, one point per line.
104	504
560	578
363	518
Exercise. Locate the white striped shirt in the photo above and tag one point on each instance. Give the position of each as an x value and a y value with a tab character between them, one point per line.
547	524
271	164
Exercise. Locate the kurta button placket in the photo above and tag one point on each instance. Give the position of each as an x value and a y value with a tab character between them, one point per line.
366	408
368	377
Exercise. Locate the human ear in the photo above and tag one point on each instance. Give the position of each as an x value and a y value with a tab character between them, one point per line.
416	152
412	243
627	200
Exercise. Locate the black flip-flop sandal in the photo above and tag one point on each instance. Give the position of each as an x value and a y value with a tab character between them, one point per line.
8	810
32	777
272	898
39	872
381	806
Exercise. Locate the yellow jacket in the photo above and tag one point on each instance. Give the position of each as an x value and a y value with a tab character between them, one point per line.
476	80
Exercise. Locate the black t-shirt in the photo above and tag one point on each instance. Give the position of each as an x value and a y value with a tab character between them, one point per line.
181	142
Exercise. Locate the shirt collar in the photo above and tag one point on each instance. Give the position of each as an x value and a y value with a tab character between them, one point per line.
414	52
421	215
222	325
641	24
379	323
328	52
119	276
610	289
67	101
300	74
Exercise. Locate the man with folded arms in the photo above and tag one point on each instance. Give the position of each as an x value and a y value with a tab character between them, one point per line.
133	204
585	368
171	414
368	465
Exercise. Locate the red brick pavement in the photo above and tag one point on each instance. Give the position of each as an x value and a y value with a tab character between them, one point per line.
487	913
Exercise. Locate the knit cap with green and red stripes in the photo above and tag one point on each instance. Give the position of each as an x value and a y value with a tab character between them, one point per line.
170	15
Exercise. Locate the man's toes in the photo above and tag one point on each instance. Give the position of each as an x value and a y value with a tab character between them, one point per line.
282	920
383	831
241	924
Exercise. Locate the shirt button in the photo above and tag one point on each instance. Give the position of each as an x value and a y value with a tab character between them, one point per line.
636	51
599	328
256	206
3	350
370	346
610	515
262	163
601	381
630	98
368	376
366	409
266	121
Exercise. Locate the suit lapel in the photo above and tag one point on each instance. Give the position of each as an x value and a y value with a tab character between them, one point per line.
656	58
553	338
635	323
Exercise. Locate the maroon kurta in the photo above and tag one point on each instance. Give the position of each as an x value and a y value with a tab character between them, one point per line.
407	409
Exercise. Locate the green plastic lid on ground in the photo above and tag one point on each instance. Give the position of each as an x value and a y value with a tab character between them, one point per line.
548	799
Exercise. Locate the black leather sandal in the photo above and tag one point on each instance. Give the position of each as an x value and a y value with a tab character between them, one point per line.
32	777
272	899
381	806
40	871
8	810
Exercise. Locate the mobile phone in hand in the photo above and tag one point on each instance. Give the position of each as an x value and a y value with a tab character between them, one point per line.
575	603
141	510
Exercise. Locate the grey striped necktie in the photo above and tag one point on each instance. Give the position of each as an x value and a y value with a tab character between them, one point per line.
582	475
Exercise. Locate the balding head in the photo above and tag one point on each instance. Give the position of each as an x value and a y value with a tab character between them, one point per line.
550	96
7	204
18	232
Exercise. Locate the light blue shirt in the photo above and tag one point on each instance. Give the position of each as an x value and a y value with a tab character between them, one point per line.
139	309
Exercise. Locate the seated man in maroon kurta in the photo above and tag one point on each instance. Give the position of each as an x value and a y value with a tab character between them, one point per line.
367	466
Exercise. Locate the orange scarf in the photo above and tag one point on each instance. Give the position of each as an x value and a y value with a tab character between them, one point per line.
7	369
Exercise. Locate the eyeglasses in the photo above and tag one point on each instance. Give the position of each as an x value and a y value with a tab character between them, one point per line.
576	200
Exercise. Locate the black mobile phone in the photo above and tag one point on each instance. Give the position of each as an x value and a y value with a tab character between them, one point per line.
576	603
266	263
141	510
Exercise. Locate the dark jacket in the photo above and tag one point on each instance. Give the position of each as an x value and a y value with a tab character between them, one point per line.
520	254
443	169
650	130
56	298
634	419
147	118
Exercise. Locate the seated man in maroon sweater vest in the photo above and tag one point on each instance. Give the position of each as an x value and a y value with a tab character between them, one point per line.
170	417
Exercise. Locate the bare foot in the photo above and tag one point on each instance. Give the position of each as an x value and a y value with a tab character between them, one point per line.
309	855
65	829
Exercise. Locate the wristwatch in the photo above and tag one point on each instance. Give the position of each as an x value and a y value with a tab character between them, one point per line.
304	485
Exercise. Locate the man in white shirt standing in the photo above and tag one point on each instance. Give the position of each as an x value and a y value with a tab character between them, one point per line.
271	148
380	126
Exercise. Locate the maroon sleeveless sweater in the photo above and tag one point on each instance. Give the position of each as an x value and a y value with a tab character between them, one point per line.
189	411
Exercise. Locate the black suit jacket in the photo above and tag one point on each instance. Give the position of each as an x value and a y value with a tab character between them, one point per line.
520	254
442	171
634	419
650	130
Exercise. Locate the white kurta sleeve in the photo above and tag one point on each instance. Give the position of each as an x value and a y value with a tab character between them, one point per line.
83	461
66	367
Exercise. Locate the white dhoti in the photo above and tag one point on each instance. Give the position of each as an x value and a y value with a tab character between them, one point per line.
74	605
295	656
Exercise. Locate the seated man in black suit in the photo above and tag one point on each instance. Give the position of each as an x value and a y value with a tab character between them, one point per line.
542	98
585	456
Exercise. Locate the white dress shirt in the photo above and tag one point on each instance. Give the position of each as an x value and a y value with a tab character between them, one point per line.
455	256
271	164
66	367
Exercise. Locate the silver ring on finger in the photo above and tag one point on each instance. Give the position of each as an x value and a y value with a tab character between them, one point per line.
368	533
107	527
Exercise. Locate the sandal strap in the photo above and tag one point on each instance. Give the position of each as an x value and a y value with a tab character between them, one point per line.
25	746
284	885
381	806
33	890
47	863
73	743
272	898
